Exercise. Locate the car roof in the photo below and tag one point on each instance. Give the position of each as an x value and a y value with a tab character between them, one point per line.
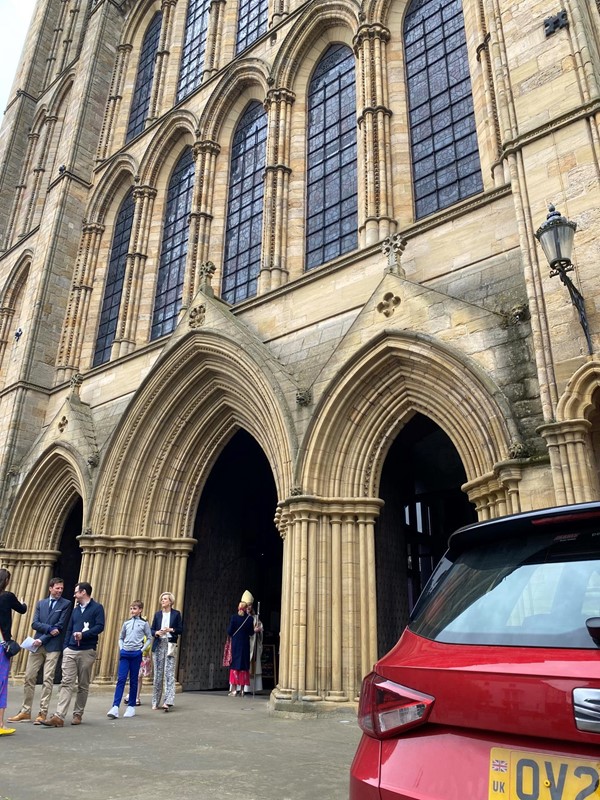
578	516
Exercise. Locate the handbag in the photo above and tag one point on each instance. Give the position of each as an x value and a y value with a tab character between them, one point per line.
227	655
10	647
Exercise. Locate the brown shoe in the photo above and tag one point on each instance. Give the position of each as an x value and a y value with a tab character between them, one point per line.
76	719
22	716
40	718
54	722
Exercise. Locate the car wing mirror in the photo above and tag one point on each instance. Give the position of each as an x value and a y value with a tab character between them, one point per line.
593	626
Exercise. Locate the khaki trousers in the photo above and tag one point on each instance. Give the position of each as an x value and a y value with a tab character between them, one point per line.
77	670
34	662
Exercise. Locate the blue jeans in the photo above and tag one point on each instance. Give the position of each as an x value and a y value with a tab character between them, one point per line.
129	665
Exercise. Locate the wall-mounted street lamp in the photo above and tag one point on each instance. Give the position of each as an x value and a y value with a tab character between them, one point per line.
556	237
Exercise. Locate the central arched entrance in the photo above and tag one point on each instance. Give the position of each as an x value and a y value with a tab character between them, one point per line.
420	484
238	548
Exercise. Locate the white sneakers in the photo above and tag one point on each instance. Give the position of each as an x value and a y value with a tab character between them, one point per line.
114	712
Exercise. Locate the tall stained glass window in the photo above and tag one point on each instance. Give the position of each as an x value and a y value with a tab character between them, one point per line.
243	233
115	276
332	189
145	75
252	22
173	253
194	47
445	158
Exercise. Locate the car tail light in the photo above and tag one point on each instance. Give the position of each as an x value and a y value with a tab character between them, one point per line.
387	708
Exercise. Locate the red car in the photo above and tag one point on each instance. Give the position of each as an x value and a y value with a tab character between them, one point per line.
493	691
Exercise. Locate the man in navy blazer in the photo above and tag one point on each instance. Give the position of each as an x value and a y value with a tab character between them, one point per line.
49	623
81	641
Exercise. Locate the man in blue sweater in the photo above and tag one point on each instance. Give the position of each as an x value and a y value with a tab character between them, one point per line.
81	641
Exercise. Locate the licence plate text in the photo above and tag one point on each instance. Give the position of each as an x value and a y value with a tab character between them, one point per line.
520	775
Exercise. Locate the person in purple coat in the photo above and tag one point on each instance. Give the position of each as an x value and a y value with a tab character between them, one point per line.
8	604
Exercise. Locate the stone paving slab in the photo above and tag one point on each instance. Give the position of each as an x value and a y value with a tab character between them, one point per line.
210	746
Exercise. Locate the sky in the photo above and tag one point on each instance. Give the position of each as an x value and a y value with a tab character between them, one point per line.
15	16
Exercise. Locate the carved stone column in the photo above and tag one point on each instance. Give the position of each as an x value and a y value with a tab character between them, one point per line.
32	141
30	574
375	135
329	605
162	60
280	10
51	68
76	318
274	271
125	336
38	174
115	99
205	158
214	38
123	566
572	461
69	34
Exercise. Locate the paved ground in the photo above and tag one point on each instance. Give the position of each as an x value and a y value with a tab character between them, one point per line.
209	746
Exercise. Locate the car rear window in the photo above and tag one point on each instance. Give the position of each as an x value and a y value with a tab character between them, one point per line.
536	590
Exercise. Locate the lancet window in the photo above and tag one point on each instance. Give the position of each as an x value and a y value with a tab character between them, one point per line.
194	48
173	254
332	188
145	76
115	276
445	157
243	234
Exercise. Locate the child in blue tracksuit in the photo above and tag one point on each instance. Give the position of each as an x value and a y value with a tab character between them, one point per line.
134	636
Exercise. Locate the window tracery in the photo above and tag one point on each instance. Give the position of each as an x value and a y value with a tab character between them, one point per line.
445	156
194	48
145	76
173	255
243	232
115	276
332	189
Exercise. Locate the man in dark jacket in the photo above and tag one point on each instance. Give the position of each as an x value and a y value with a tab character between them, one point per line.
81	641
49	623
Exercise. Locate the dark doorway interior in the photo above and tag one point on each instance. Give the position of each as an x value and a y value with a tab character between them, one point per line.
420	485
238	548
68	564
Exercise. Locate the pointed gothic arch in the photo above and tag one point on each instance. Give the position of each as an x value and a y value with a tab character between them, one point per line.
314	25
369	401
201	393
179	127
577	399
249	77
121	172
45	499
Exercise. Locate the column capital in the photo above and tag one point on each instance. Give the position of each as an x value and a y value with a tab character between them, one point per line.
371	32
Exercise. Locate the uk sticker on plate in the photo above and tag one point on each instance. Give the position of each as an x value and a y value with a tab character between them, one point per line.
522	775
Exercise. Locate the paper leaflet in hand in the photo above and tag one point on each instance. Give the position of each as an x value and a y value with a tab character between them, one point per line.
28	644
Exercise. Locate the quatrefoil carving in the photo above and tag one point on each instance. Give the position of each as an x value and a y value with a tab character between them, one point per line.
389	304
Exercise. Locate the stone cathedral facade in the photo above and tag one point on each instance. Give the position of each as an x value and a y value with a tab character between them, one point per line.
273	315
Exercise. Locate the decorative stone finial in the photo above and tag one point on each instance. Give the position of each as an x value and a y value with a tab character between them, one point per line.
75	384
206	271
393	246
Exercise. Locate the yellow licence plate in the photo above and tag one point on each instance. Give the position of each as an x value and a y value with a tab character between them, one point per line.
519	775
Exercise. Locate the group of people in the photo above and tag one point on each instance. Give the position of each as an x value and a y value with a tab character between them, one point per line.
74	631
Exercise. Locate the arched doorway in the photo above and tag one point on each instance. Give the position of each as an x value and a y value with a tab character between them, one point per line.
68	564
420	484
238	548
